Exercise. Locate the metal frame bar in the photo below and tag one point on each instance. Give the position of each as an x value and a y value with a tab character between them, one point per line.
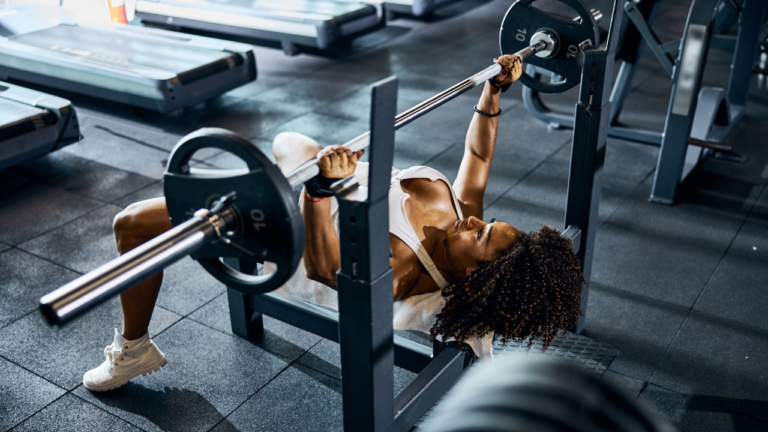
676	153
590	134
629	51
650	37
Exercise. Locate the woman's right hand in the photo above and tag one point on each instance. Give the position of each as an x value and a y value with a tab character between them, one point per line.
512	69
338	161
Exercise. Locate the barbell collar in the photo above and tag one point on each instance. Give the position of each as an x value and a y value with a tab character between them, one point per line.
94	288
310	169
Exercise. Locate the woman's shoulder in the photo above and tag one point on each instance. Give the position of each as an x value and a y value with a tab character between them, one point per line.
422	171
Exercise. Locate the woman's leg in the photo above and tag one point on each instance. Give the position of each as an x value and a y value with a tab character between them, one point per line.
293	149
134	226
145	220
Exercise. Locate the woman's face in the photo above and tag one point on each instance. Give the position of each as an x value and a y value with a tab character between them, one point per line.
471	240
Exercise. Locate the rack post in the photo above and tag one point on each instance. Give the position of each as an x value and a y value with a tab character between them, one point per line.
365	279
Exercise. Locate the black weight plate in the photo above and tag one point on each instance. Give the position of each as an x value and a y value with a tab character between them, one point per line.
269	224
522	21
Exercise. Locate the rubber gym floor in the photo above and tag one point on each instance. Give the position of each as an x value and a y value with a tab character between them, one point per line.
680	291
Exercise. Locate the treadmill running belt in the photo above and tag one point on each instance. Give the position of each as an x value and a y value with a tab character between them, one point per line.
122	50
17	119
303	10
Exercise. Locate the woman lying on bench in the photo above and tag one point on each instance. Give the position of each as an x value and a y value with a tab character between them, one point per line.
493	277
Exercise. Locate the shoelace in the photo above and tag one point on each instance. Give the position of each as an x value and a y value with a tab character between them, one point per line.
113	356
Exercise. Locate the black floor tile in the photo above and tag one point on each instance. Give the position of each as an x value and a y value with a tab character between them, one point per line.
249	118
640	328
25	278
23	394
737	291
651	264
720	360
36	209
299	399
154	190
120	152
630	386
78	347
279	337
314	90
81	245
752	240
83	176
325	357
697	414
323	129
72	414
129	130
665	252
226	160
208	375
187	286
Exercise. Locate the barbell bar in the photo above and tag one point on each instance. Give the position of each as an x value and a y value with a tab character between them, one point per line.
542	41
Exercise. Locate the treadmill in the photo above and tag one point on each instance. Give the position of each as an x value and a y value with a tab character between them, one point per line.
416	8
317	24
33	124
149	68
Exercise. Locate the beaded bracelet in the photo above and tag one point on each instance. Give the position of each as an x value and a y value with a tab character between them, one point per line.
486	114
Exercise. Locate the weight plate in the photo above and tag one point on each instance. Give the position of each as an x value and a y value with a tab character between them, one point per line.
269	224
522	21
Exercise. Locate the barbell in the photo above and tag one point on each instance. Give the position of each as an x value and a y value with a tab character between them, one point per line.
252	213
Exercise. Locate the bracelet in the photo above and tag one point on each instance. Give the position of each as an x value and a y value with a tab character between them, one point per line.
312	201
485	114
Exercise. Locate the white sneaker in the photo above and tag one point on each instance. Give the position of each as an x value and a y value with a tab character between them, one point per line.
125	360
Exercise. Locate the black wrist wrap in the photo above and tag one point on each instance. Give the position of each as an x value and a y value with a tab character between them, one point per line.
498	85
319	186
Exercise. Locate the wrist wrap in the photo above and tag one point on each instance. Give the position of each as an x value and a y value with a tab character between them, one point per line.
319	186
499	85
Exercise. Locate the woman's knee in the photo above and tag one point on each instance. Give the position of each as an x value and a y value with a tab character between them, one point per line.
140	222
291	149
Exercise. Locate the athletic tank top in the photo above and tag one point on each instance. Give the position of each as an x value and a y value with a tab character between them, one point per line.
400	226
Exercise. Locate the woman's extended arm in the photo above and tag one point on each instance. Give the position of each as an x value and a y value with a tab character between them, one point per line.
321	248
481	141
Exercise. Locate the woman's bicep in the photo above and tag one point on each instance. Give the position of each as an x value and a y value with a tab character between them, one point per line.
470	184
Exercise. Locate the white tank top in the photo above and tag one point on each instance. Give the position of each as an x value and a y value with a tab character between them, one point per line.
400	226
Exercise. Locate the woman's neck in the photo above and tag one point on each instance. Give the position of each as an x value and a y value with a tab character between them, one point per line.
439	253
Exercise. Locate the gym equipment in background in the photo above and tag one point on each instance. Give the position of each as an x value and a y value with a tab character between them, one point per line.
699	118
148	68
320	24
251	208
33	124
520	394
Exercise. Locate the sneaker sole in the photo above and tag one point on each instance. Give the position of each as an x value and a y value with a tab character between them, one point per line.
149	372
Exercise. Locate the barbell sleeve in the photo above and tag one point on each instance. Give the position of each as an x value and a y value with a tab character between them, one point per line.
310	169
109	280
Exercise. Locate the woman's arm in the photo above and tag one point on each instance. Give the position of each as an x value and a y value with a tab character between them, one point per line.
321	248
481	141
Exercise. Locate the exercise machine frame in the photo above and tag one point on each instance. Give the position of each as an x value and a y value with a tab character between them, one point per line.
695	127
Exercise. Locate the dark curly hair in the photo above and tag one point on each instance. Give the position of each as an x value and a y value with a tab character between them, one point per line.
532	290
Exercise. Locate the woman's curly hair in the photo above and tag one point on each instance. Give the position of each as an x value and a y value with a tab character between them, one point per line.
532	290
